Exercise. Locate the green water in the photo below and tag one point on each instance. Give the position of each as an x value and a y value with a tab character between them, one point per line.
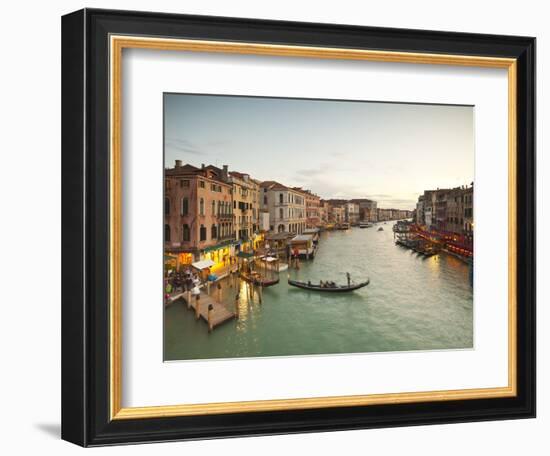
412	303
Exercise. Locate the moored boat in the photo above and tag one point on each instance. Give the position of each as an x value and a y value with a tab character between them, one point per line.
328	286
257	279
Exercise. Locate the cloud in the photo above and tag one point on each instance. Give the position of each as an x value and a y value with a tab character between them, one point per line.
379	195
183	145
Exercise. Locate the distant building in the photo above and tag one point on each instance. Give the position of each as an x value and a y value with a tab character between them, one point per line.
313	203
286	207
420	220
352	212
447	210
337	213
468	206
324	207
367	209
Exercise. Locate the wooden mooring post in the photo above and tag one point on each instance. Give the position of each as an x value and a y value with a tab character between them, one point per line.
198	307
210	324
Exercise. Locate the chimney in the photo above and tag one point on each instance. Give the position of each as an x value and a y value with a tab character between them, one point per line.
203	166
178	163
225	173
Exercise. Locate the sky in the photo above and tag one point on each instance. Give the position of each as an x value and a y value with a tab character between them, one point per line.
388	152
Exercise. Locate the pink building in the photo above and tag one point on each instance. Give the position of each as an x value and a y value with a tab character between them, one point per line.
198	214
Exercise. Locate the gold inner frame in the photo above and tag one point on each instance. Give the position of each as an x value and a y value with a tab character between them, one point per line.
117	44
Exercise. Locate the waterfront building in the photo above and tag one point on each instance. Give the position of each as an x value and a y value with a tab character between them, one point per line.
264	221
419	219
352	212
384	215
337	213
367	209
448	210
198	215
455	210
323	211
468	215
440	221
313	203
286	207
246	209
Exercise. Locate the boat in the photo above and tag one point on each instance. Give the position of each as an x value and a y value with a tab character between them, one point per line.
257	279
365	225
380	229
330	289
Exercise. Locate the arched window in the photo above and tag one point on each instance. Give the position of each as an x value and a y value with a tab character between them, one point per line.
214	232
280	198
166	206
281	228
213	207
166	233
185	233
201	206
281	215
184	206
203	233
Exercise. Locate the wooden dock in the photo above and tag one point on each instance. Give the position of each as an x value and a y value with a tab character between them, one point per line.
219	313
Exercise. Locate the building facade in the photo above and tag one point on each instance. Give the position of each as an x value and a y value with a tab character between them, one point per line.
286	207
337	213
198	214
447	210
323	212
246	209
313	211
367	209
352	214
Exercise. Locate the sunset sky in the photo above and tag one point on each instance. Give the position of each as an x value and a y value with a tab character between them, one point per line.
389	152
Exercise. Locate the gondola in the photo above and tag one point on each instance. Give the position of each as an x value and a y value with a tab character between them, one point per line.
334	289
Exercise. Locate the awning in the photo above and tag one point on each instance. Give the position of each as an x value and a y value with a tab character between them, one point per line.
302	238
219	245
200	265
170	258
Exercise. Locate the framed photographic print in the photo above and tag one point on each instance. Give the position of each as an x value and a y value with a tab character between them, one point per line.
278	227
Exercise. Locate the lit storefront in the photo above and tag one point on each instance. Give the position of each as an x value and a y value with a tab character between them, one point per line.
219	254
258	241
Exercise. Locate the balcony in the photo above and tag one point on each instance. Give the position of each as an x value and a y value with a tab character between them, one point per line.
227	237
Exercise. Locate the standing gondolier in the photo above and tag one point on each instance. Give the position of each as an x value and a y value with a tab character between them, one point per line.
348	275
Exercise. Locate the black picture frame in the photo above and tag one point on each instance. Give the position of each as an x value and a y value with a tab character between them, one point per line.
85	227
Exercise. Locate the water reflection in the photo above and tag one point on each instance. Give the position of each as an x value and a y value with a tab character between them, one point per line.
412	303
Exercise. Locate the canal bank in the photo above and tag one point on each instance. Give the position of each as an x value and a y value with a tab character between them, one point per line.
412	303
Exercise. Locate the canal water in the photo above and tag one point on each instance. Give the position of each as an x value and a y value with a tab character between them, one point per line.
412	303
